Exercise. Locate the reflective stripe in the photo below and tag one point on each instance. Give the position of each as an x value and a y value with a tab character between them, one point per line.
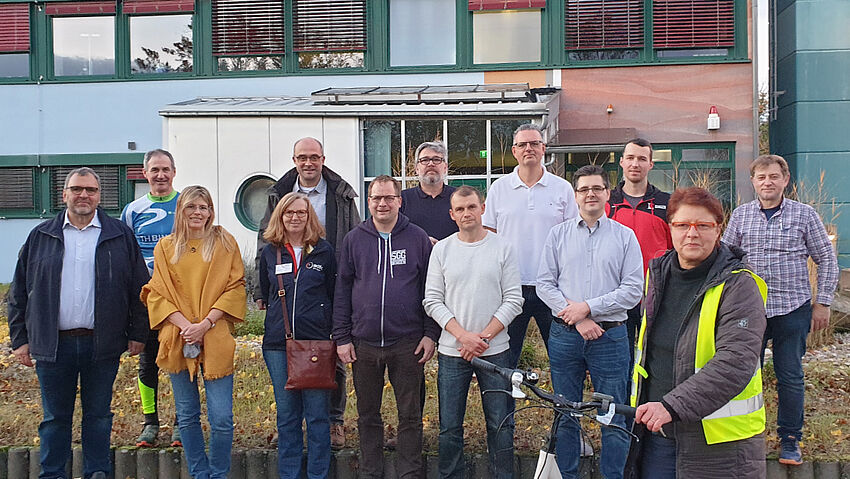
738	407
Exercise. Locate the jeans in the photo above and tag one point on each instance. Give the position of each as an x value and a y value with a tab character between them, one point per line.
293	407
405	375
789	332
532	306
220	414
58	383
658	457
453	378
607	359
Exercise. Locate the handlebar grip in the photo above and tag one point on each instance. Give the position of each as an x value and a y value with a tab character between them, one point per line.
624	410
488	366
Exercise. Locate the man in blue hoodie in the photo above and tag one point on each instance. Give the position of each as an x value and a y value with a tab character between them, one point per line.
380	325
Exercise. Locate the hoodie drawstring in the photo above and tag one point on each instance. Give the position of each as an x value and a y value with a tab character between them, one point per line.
390	252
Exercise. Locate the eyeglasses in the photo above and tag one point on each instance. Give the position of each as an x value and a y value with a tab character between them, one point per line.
522	144
201	208
685	226
78	190
311	158
595	189
386	199
434	160
292	213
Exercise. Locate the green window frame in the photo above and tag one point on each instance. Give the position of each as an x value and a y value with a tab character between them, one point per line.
376	57
709	165
48	171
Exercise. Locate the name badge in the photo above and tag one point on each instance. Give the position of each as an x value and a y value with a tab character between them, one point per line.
283	268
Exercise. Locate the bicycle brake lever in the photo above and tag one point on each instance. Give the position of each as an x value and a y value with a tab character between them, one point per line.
516	381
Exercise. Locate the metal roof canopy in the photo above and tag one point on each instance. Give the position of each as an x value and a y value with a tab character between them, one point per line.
424	101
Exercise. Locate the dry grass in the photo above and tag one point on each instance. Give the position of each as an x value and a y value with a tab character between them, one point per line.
827	408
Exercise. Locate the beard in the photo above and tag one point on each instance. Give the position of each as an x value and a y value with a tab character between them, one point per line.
431	179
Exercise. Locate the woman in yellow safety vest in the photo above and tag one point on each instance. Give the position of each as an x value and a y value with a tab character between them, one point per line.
697	376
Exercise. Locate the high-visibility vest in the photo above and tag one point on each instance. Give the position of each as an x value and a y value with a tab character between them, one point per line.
743	416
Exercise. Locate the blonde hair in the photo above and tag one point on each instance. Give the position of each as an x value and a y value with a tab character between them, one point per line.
212	234
276	231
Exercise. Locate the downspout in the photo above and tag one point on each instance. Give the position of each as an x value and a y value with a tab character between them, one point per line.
756	131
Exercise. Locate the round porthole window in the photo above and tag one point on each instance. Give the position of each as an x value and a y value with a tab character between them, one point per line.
252	199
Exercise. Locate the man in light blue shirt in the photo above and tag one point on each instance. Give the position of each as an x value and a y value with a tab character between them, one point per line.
590	275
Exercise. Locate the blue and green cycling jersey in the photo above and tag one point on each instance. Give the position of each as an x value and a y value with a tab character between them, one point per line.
151	218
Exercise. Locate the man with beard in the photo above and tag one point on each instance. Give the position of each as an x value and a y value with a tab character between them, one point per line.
427	205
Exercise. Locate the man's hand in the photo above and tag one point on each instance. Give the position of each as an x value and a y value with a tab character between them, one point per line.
589	330
433	240
261	305
346	353
653	414
820	317
426	346
135	347
472	345
22	354
574	312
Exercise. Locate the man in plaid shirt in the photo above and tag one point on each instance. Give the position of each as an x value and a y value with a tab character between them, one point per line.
779	235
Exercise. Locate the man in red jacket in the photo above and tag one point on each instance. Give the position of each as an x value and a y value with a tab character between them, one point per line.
643	208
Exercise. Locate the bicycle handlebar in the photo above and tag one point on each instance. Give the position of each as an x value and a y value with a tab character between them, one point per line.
517	377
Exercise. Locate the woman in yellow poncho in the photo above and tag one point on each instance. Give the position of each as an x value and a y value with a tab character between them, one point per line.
198	281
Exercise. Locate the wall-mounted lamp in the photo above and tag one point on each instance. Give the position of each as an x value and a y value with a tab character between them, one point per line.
713	118
610	109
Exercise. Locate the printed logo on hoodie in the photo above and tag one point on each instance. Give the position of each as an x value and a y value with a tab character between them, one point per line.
398	257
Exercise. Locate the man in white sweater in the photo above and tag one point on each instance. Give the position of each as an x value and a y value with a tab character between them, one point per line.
473	291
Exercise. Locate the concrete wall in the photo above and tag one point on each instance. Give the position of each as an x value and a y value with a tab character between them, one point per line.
809	126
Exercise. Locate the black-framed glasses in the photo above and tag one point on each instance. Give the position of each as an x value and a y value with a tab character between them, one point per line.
434	160
78	190
595	189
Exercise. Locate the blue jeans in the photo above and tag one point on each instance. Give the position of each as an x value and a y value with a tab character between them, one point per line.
607	359
658	457
293	407
187	401
58	383
453	378
789	332
532	306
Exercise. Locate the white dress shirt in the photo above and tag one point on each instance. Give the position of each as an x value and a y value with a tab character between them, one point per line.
76	292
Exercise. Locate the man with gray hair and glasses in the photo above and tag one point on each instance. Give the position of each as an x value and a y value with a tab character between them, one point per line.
74	308
427	205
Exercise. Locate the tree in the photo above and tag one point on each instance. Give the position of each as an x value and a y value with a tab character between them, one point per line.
764	122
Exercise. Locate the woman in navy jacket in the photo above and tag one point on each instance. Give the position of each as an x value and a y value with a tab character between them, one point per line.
308	268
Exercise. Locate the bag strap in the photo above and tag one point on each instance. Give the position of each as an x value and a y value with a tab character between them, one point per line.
282	294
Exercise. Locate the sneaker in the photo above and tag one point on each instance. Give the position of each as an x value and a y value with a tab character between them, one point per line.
337	436
148	436
790	452
175	437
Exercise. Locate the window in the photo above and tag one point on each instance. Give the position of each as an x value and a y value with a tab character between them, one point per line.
709	166
252	200
329	34
17	191
110	195
83	45
422	32
160	43
604	29
507	36
703	28
248	35
479	148
14	40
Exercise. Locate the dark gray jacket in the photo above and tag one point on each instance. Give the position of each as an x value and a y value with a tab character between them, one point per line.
740	327
120	273
341	211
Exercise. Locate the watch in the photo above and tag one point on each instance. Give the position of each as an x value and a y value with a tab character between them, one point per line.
212	323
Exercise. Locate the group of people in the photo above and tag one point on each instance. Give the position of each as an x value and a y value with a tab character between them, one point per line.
640	288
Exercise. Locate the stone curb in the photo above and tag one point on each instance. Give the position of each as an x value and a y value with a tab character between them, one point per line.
168	463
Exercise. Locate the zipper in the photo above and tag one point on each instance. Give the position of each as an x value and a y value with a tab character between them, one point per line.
383	289
294	297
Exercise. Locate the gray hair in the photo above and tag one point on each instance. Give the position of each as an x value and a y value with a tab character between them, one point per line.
437	146
82	171
158	152
529	126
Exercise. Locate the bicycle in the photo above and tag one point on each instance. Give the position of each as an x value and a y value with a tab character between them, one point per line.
546	466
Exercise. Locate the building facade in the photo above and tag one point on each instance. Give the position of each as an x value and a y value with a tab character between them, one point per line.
97	83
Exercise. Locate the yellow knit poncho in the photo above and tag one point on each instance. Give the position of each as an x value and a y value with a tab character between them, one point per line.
194	287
